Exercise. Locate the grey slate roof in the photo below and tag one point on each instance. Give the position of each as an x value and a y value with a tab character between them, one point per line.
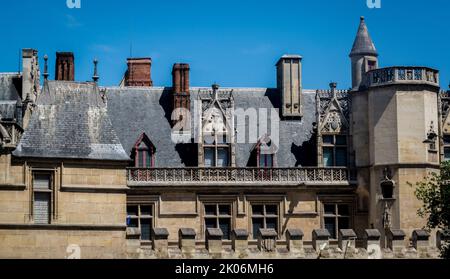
363	44
70	121
8	96
134	111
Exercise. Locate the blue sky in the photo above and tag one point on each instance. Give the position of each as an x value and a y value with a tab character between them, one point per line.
234	43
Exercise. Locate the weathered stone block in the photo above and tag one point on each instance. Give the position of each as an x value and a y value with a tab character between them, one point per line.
321	239
239	240
421	240
442	238
267	240
186	241
214	240
294	239
396	240
160	241
347	240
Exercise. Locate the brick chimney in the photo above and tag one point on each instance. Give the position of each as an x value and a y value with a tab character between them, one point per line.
180	90
139	72
65	66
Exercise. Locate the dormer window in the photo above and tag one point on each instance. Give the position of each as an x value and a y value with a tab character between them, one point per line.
265	153
144	153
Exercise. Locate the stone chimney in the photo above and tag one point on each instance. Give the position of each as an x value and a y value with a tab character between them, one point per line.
289	83
139	72
65	66
180	91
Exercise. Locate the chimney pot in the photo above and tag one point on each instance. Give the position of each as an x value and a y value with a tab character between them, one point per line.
65	66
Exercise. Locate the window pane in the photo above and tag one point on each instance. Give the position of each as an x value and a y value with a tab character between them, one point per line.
210	223
132	210
147	210
447	153
257	209
330	209
41	208
272	223
141	162
257	224
271	209
447	139
222	160
344	210
328	158
341	157
210	209
341	140
224	209
41	181
148	158
209	157
132	222
328	139
225	226
330	225
146	229
344	223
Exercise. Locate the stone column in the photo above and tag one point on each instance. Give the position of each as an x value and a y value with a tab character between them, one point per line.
372	243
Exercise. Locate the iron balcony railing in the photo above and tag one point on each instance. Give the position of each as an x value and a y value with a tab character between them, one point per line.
149	176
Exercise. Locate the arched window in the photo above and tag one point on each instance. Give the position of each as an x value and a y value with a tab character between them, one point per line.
144	153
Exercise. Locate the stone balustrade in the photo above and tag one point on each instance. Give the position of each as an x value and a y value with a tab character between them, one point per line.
402	75
237	176
293	247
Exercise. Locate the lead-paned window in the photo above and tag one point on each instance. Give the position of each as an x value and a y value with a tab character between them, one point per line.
42	197
219	216
141	216
264	216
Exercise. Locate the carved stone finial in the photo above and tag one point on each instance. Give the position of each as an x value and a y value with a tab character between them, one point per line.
46	67
362	18
95	77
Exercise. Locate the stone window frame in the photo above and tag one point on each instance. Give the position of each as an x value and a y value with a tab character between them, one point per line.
445	146
216	146
279	200
335	146
217	199
140	200
149	151
338	200
218	216
52	191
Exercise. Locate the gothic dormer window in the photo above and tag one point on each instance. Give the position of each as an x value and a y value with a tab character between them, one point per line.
215	144
216	137
144	153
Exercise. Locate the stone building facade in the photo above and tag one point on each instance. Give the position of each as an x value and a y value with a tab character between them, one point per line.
181	171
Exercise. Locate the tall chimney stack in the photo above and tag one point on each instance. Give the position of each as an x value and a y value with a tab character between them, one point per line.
139	72
65	66
180	94
289	83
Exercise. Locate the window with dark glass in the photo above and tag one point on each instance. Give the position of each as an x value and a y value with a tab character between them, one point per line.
336	217
264	216
446	148
144	153
42	197
372	64
141	216
216	151
334	150
219	216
